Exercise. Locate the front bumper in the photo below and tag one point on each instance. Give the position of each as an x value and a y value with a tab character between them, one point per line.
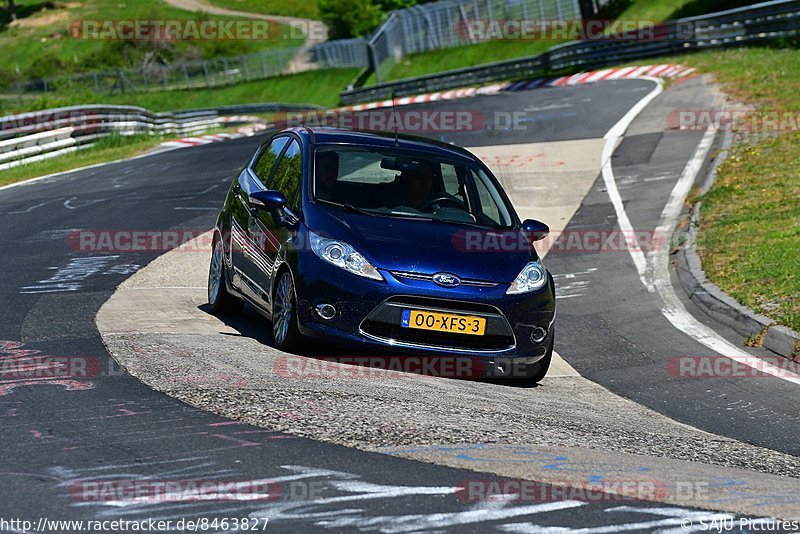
368	313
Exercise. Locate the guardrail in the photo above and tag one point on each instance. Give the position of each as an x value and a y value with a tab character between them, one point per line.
34	136
31	137
735	27
36	147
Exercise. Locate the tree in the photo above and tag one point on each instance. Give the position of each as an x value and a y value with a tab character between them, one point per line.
12	10
350	18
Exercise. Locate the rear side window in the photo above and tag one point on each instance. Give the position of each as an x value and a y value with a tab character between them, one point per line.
287	175
268	158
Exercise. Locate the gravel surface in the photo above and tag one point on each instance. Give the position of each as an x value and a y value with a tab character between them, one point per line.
239	377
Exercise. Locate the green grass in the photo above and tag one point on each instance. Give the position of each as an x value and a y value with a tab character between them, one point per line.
766	76
40	43
749	237
321	87
463	56
470	55
107	149
661	10
307	9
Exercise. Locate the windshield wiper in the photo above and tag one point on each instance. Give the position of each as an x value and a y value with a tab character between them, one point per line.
355	209
428	218
464	223
349	207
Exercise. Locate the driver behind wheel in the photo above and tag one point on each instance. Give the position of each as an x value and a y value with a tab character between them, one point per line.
416	186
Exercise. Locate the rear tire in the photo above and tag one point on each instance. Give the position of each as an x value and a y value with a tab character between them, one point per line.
284	314
219	299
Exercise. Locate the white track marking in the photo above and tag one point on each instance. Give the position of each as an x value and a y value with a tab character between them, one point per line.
673	309
612	139
654	273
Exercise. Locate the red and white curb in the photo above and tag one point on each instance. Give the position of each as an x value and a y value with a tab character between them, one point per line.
626	73
258	125
672	72
668	71
431	97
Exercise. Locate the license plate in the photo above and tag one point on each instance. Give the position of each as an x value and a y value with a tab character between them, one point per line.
444	322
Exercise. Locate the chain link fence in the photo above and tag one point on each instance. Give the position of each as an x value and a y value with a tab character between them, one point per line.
421	28
198	74
757	24
444	24
341	53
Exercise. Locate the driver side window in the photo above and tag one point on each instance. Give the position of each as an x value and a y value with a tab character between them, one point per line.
269	156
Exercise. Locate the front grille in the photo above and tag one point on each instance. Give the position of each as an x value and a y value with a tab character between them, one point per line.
384	323
436	339
429	278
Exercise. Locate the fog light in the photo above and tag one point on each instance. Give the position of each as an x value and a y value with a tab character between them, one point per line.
326	311
538	334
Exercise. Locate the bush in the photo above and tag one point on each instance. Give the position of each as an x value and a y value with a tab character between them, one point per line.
356	18
350	18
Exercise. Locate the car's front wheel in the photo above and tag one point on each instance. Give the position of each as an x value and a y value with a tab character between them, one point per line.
284	314
220	301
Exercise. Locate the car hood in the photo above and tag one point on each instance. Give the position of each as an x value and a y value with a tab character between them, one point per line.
428	247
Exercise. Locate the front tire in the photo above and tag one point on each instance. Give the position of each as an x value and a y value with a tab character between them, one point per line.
284	314
219	299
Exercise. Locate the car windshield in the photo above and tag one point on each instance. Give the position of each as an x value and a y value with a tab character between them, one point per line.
408	184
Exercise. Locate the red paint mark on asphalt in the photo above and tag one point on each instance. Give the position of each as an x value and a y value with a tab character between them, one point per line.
11	353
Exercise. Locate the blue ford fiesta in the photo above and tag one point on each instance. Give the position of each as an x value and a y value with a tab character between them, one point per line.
384	242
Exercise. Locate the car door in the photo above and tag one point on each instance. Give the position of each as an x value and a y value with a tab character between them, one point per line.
253	178
268	234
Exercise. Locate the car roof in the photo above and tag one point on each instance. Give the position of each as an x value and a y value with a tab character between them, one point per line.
340	136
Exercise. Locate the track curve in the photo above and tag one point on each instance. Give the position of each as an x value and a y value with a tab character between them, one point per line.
110	425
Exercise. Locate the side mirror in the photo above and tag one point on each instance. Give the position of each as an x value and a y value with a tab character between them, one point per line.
536	229
268	200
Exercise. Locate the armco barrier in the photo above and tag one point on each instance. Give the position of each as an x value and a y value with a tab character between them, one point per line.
735	27
34	136
36	147
31	137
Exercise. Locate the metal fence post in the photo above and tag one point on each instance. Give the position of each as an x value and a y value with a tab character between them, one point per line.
245	68
373	60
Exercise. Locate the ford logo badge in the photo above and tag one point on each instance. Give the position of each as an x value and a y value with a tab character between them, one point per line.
446	280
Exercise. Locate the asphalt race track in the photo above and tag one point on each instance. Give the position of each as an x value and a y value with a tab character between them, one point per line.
111	426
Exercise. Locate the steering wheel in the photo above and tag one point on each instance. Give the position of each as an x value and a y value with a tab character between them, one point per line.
444	198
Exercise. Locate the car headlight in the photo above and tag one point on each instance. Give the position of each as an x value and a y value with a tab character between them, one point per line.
343	256
532	277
